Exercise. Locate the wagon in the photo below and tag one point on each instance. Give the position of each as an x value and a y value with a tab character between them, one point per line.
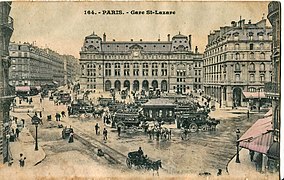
133	158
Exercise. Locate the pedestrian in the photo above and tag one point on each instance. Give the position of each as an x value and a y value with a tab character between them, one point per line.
97	128
251	153
40	114
63	113
248	114
219	173
105	134
17	132
118	130
22	160
57	117
71	137
40	100
23	121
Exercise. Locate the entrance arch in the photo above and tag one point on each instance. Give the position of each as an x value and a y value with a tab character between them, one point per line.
155	84
135	85
107	85
126	84
237	96
164	86
145	85
117	85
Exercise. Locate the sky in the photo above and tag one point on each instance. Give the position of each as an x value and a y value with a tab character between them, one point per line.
62	26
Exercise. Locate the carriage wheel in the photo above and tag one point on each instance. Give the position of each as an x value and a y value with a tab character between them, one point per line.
193	127
128	163
204	127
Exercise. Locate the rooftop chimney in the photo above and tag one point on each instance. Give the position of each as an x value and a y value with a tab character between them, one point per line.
189	41
196	49
140	39
169	37
104	37
158	39
131	39
113	40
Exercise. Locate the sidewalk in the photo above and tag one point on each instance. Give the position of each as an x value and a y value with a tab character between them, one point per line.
247	169
25	145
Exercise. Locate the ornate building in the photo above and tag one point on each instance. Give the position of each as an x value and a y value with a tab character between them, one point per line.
237	63
169	65
34	66
5	90
272	89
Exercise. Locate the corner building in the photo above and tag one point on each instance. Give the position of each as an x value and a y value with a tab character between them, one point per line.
237	63
6	97
34	66
169	65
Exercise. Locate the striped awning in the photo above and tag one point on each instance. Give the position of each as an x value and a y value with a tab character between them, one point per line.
259	136
254	95
22	88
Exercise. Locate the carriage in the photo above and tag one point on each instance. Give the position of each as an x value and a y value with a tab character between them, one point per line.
196	121
136	159
127	118
80	107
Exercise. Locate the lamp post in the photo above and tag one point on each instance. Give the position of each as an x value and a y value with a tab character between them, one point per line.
36	144
238	136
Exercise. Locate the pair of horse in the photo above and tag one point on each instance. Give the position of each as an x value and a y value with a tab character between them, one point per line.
135	158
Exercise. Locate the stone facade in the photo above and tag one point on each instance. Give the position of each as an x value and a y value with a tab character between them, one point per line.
5	90
34	66
168	65
237	60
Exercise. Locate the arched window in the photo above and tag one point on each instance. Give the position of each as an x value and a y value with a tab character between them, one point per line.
252	67
237	46
262	67
262	55
237	67
251	55
261	46
237	56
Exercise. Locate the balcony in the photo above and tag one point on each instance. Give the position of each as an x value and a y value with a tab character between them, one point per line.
272	89
9	24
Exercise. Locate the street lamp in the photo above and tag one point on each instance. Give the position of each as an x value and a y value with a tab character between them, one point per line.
36	144
238	136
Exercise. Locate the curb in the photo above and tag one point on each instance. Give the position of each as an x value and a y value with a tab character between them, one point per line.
230	162
40	160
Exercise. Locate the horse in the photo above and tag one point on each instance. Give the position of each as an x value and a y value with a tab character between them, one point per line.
165	133
154	165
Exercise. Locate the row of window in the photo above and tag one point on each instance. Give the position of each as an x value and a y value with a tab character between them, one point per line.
237	78
144	56
236	56
237	67
251	46
236	37
126	72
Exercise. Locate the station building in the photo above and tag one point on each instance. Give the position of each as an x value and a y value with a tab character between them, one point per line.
237	63
168	65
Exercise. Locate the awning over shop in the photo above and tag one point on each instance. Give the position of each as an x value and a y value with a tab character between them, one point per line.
254	95
259	136
22	88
